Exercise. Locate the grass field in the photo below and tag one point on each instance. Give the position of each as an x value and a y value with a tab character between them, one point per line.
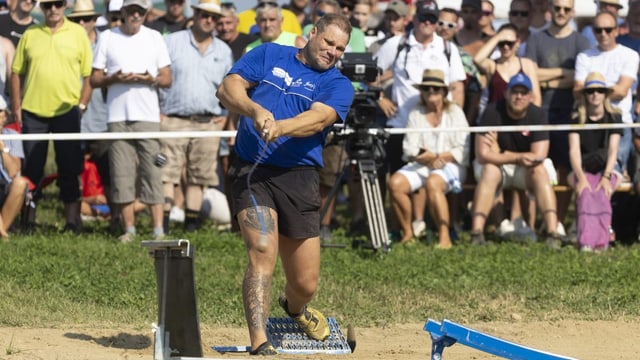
49	279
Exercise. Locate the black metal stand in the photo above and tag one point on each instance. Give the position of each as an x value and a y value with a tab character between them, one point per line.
177	333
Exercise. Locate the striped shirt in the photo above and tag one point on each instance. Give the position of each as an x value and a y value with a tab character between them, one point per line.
196	76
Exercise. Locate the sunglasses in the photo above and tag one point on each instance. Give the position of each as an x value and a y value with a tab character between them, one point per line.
432	19
487	13
506	43
519	91
84	19
430	88
450	25
320	13
208	15
592	91
228	6
599	30
516	13
50	5
562	8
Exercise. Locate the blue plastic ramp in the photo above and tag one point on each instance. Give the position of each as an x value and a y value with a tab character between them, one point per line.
448	333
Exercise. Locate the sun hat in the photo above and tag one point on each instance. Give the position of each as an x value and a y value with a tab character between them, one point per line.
595	80
432	77
210	6
83	8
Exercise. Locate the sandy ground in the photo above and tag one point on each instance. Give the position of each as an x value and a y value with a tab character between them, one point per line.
577	339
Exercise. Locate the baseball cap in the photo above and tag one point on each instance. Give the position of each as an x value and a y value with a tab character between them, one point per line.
427	7
115	5
399	7
520	79
145	4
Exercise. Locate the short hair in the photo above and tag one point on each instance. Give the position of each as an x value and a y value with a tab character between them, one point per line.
450	11
493	7
508	26
333	3
260	10
339	20
607	12
528	2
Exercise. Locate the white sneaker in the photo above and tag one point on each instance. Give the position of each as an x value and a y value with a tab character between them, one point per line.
419	228
523	229
176	214
560	230
505	228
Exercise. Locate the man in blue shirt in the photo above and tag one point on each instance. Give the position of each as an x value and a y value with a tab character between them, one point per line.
287	99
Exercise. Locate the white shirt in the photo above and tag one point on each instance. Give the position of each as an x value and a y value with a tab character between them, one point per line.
410	63
613	64
138	53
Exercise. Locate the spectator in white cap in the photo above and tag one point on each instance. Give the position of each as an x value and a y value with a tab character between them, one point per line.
12	185
132	61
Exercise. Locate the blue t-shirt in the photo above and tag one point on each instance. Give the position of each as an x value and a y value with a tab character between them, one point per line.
286	87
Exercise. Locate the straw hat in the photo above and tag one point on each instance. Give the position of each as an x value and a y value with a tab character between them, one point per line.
210	6
83	8
595	80
432	78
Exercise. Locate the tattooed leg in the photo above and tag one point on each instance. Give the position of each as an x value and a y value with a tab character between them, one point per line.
256	291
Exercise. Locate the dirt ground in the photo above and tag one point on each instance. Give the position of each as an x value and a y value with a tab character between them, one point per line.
577	339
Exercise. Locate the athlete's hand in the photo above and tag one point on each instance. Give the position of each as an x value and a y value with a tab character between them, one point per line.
265	124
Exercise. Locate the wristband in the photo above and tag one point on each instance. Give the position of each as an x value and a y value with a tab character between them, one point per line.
607	176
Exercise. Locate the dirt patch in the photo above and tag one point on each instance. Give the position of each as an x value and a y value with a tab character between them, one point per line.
578	339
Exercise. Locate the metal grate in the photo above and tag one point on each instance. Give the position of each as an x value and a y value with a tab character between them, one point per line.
288	338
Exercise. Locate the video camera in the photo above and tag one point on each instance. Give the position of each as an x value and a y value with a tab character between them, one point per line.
361	67
361	144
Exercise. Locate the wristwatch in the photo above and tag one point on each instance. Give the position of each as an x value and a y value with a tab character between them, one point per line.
82	107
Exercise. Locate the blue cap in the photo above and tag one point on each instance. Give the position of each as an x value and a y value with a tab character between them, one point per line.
520	79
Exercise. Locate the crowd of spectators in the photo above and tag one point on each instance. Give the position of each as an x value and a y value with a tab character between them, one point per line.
134	68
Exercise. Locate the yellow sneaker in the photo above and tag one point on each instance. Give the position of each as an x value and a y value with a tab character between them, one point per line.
312	322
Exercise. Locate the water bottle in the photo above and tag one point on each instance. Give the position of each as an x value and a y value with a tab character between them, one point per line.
454	182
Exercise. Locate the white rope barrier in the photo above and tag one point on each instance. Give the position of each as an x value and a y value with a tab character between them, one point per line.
203	134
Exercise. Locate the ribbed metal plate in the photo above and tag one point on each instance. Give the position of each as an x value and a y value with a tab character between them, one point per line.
288	338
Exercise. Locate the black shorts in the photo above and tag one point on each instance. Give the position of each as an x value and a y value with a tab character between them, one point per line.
293	193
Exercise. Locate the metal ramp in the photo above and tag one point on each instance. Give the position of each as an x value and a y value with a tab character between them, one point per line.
288	338
448	333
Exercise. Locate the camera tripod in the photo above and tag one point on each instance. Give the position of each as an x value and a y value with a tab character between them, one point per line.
372	196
